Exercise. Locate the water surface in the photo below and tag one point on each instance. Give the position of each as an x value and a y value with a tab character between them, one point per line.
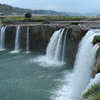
22	79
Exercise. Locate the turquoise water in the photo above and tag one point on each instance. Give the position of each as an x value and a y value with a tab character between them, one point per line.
23	79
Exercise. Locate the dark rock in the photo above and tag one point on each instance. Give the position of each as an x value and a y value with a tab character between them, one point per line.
97	64
96	39
10	34
39	36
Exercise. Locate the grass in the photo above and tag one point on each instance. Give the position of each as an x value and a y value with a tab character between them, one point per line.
56	18
93	93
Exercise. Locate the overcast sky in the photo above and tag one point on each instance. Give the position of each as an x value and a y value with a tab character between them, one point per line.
81	6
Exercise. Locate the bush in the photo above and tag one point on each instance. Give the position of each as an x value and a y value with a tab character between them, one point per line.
28	15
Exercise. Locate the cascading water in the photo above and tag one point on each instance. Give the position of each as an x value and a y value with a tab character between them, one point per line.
64	46
83	68
17	40
27	41
50	52
2	38
54	53
58	51
54	49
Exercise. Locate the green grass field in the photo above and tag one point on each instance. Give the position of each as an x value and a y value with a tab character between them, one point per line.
33	18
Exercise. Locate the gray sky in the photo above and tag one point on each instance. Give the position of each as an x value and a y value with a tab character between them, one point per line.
82	6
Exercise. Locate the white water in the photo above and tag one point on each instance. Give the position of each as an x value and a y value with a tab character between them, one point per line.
58	51
2	38
17	44
27	41
54	50
83	67
50	52
64	46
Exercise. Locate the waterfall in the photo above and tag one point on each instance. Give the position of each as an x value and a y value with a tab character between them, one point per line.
58	50
83	68
50	52
17	40
27	41
55	50
64	46
2	38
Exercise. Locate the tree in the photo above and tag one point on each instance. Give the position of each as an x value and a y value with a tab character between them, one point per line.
28	15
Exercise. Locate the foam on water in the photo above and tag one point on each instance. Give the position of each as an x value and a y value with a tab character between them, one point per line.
44	61
15	51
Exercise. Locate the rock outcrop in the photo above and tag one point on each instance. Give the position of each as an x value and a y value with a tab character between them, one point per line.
97	64
96	39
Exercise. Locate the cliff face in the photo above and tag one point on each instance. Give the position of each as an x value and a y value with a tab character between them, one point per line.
39	36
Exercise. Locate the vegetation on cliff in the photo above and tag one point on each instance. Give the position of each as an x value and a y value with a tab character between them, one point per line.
93	93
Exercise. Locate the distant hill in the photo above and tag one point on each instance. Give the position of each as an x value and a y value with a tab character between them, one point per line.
6	9
49	12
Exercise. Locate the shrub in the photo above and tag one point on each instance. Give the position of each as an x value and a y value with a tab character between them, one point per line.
28	15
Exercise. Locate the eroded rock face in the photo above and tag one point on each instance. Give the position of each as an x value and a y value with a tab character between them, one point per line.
39	36
97	64
75	32
10	34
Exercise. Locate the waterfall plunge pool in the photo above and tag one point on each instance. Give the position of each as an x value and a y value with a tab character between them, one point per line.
22	79
25	76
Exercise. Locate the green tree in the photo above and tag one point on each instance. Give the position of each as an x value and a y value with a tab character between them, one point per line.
28	15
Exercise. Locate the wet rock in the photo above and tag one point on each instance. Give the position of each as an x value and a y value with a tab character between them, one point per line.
39	36
76	33
97	64
96	39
